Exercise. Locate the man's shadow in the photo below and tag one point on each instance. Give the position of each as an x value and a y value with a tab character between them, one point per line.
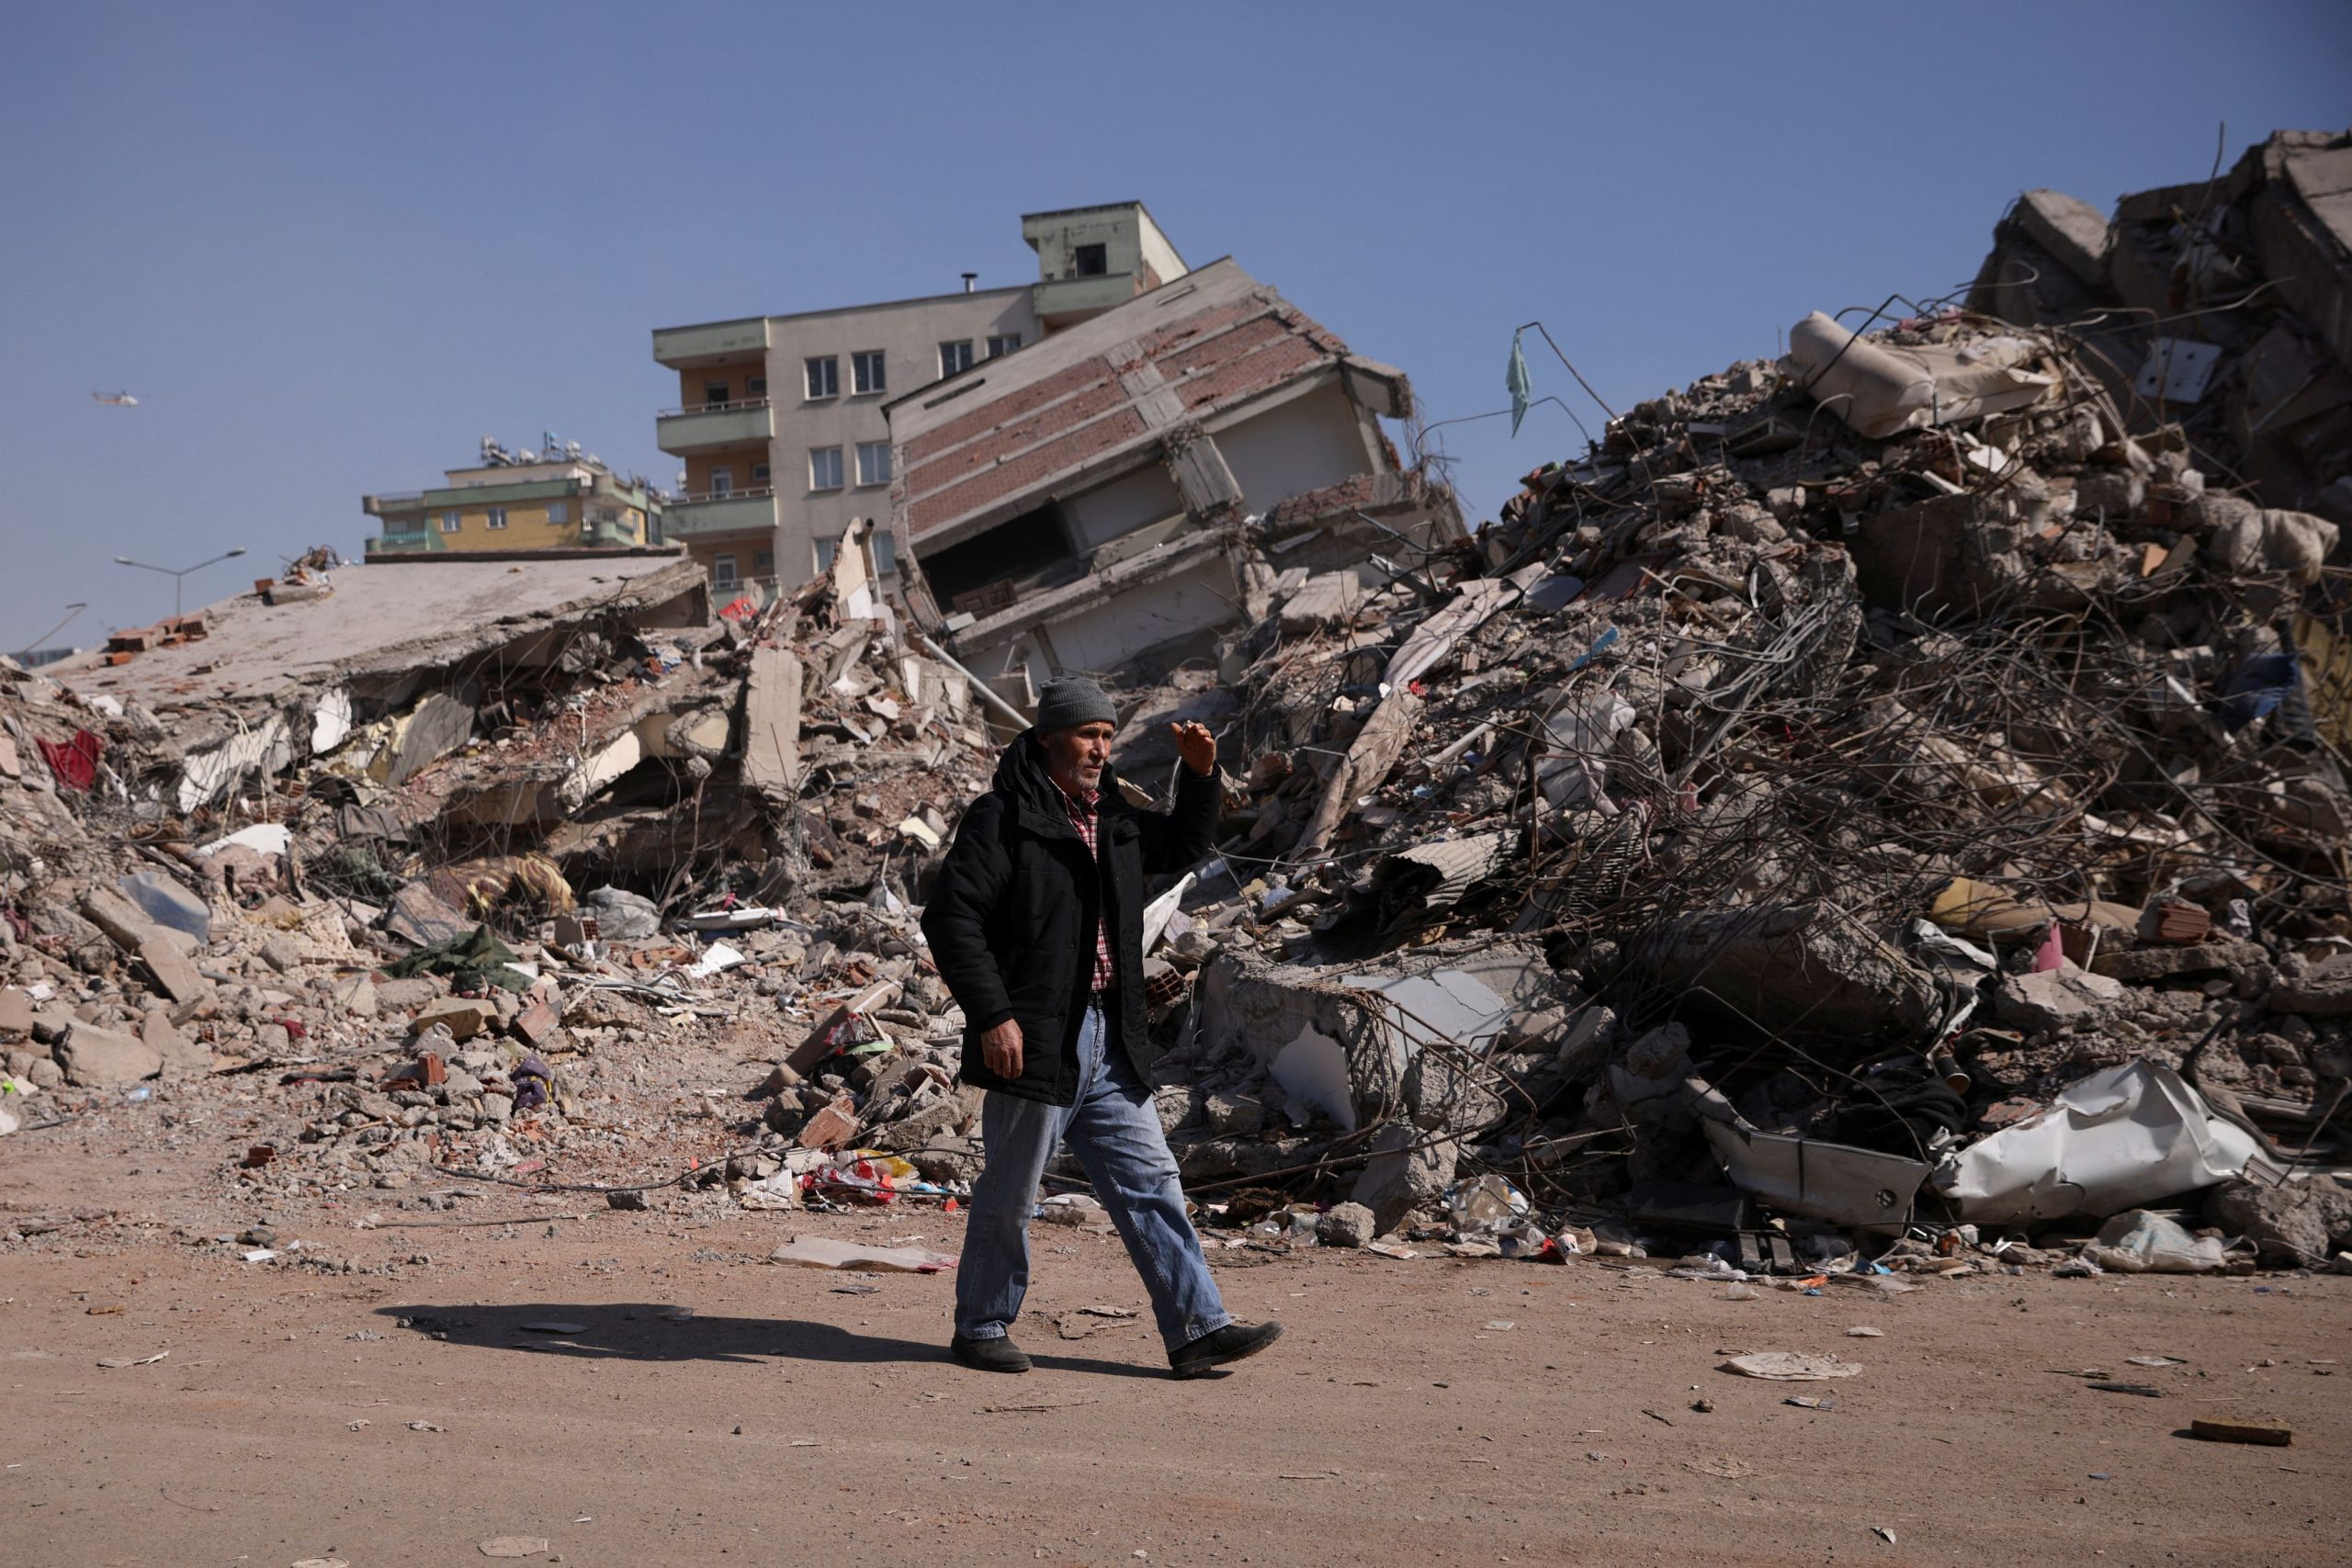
654	1332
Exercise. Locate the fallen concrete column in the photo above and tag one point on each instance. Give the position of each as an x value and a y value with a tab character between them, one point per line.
1376	749
771	725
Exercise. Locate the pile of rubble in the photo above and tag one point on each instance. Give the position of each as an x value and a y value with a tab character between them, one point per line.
1800	792
373	965
1883	808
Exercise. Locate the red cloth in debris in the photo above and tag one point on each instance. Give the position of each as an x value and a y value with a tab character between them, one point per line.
75	762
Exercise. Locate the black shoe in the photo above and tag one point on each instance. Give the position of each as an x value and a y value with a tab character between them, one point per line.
1231	1343
997	1355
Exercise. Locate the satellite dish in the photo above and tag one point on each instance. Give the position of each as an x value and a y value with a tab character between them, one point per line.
117	399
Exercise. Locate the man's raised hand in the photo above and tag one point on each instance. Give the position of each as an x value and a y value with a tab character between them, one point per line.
1196	746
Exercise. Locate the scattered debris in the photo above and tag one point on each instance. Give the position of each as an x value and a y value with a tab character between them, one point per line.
2215	1429
1081	1321
827	1252
1037	1408
1790	1366
1869	817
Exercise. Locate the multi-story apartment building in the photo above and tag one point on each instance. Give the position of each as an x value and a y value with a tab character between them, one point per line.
555	499
779	420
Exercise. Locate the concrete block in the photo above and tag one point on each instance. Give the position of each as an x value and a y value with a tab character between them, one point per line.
2295	1223
2054	999
92	1057
1409	1172
118	916
2325	990
463	1017
169	967
357	994
181	1055
1236	1116
1346	1224
2070	228
1795	967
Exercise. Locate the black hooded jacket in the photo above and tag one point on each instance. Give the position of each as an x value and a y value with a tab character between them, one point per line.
1011	922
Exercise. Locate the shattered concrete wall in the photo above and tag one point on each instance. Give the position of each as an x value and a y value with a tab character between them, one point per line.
2224	306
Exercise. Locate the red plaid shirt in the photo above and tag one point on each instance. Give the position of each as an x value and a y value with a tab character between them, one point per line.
1082	817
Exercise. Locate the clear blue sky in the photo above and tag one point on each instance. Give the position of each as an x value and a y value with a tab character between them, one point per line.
329	246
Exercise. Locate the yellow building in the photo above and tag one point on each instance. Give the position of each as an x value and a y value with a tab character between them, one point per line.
552	500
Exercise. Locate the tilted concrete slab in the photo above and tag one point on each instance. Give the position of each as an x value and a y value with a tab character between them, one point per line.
385	621
274	684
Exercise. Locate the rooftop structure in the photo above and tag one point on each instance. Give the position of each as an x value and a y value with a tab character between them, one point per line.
520	501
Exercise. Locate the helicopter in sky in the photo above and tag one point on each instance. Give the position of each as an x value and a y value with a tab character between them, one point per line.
117	399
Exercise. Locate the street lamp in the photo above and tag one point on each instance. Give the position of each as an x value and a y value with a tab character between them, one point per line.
42	641
176	576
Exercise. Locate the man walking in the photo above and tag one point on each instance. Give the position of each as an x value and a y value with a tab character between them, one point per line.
1037	927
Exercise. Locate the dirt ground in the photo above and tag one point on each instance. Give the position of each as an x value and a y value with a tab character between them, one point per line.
707	1405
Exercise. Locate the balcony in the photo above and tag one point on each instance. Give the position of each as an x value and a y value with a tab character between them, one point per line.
683	348
701	516
712	426
405	544
602	532
1060	302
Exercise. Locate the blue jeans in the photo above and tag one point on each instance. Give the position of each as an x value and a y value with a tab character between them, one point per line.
1115	1131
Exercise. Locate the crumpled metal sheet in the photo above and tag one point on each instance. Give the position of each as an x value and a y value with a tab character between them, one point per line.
1863	1188
2115	1140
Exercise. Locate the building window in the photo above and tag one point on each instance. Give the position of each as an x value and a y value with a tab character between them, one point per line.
722	481
722	569
874	462
955	357
755	387
448	522
865	371
1003	345
558	512
760	480
826	550
762	563
824	468
824	377
714	391
498	517
1093	261
885	552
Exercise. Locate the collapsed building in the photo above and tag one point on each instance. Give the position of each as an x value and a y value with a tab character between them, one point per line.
2223	306
1881	809
386	669
1135	484
1869	789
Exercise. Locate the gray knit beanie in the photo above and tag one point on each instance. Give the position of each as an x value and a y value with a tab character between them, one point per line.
1073	700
